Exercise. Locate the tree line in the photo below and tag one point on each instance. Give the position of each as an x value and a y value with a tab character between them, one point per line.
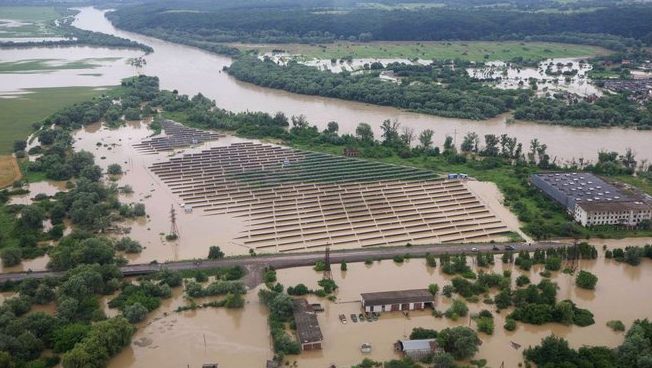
294	24
443	89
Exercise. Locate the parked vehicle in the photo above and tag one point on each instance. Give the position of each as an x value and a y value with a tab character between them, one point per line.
510	247
354	318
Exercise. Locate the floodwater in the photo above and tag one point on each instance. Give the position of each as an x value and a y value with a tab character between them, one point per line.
109	67
489	194
197	232
171	63
510	76
232	338
238	338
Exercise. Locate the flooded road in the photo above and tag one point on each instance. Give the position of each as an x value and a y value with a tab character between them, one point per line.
190	71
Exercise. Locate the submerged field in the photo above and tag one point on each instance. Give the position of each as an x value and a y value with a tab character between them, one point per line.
45	65
471	50
21	110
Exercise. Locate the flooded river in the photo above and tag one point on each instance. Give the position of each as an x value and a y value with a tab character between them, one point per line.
191	70
235	337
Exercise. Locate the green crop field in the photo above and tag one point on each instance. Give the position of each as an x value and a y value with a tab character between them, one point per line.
40	65
472	50
20	111
34	21
29	13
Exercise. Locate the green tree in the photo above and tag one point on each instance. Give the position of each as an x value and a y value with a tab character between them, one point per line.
444	360
433	289
65	337
11	256
425	138
364	133
586	280
343	266
114	169
462	342
420	333
214	252
135	312
32	216
332	127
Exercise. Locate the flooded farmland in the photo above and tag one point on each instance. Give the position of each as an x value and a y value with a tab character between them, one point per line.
231	336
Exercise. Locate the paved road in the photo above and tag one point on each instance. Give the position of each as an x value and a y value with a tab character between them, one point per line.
255	265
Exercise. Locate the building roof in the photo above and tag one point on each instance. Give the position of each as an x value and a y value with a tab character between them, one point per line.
426	344
613	206
394	297
306	321
583	187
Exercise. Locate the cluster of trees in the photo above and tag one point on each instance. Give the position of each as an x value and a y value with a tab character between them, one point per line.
536	304
443	89
460	98
635	351
305	23
201	112
79	329
552	258
630	255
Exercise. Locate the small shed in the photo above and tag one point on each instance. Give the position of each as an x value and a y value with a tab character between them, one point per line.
417	349
308	330
390	301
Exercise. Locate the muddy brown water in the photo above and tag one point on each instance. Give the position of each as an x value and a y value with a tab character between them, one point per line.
239	338
170	62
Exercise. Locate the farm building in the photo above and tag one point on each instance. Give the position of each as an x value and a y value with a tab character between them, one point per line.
390	301
592	201
417	349
308	330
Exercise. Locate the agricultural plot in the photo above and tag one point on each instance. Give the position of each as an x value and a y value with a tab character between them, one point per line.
176	135
298	200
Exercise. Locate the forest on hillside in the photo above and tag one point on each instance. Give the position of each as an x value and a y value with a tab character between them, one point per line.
303	24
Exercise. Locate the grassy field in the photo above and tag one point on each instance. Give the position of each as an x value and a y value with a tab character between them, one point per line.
29	13
473	51
35	21
9	171
39	65
18	113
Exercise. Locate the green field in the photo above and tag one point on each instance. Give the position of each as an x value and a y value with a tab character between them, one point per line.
18	113
40	65
473	50
35	21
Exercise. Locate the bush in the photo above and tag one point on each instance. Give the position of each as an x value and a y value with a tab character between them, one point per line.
458	308
522	280
114	169
433	289
485	325
11	256
616	325
135	312
398	258
510	324
419	333
214	252
586	280
320	266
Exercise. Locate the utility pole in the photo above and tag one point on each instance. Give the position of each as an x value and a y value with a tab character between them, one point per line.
327	263
174	230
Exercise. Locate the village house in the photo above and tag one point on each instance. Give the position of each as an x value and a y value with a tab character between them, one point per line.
308	330
417	349
390	301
